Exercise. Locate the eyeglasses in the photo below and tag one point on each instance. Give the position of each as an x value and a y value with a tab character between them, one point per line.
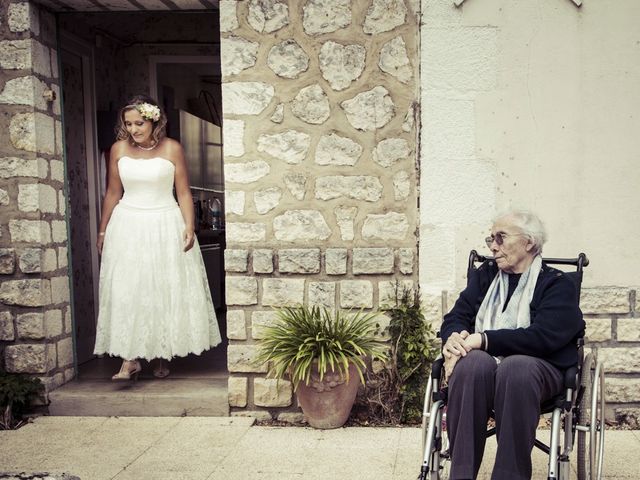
499	238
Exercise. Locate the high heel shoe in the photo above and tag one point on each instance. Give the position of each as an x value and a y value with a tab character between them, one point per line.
161	370
126	373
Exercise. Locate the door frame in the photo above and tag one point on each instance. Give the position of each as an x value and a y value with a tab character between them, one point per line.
76	46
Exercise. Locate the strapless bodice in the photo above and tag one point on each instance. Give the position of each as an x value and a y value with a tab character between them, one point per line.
148	183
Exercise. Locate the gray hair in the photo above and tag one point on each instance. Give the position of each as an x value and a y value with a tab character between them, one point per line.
529	224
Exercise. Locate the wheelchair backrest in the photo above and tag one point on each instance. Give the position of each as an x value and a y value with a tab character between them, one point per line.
579	263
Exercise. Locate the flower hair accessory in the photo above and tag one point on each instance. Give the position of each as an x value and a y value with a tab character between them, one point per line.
148	111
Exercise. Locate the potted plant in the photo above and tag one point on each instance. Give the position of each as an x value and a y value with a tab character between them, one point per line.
323	354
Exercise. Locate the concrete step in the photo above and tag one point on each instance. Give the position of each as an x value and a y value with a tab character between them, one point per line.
169	397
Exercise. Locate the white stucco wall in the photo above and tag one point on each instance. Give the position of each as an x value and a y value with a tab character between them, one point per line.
533	105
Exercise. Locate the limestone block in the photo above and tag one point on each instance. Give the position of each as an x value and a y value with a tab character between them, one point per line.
299	260
59	231
272	392
384	15
63	261
37	196
291	146
382	327
62	203
333	149
56	91
325	16
7	332
628	416
395	61
267	199
233	134
432	306
300	225
30	326
236	328
57	169
390	292
29	358
280	292
401	185
405	260
372	261
237	54
262	319
311	105
258	415
68	323
620	359
237	390
390	151
322	294
628	330
25	90
53	323
41	58
4	197
341	64
357	187
69	374
604	300
27	293
345	217
622	390
245	232
266	16
29	231
60	289
236	260
369	110
296	183
335	261
389	226
65	352
228	15
22	17
241	290
409	119
356	294
52	383
246	98
54	65
15	54
7	261
234	202
59	137
262	260
292	417
33	132
248	172
22	167
241	358
598	329
287	59
278	114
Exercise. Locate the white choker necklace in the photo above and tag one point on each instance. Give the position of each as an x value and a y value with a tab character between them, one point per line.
146	148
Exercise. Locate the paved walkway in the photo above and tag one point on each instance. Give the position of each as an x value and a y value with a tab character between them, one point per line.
230	448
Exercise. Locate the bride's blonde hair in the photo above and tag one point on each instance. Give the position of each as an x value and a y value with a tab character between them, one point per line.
159	126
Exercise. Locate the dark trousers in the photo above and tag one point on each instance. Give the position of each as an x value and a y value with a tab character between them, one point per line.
514	390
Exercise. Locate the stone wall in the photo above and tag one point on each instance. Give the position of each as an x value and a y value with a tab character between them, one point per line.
35	316
319	101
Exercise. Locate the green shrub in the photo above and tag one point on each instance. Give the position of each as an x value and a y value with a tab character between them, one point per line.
16	393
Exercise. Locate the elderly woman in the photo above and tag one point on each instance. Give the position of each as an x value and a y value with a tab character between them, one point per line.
505	343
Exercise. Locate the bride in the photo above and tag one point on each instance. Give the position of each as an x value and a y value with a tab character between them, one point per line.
154	295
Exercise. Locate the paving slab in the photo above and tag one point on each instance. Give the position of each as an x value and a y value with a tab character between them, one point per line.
231	448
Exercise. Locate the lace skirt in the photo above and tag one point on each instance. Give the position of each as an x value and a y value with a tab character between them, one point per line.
154	297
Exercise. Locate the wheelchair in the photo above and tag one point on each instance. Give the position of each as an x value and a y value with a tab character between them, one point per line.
579	410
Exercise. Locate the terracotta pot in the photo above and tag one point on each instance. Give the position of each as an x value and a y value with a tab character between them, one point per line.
327	403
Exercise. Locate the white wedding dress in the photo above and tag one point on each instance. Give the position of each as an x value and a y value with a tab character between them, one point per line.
154	297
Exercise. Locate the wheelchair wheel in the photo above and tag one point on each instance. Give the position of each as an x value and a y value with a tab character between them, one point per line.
591	420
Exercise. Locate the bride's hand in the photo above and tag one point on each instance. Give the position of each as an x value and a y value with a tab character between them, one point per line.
188	239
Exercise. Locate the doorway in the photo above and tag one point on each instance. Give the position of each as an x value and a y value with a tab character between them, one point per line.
92	93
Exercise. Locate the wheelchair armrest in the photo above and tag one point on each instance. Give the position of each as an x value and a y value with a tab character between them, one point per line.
570	375
436	368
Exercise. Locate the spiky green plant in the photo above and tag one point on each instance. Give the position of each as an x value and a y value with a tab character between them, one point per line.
302	335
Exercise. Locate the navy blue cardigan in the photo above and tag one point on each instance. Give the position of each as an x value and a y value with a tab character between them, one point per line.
556	319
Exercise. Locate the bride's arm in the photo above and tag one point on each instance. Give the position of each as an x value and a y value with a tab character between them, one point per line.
183	192
112	195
